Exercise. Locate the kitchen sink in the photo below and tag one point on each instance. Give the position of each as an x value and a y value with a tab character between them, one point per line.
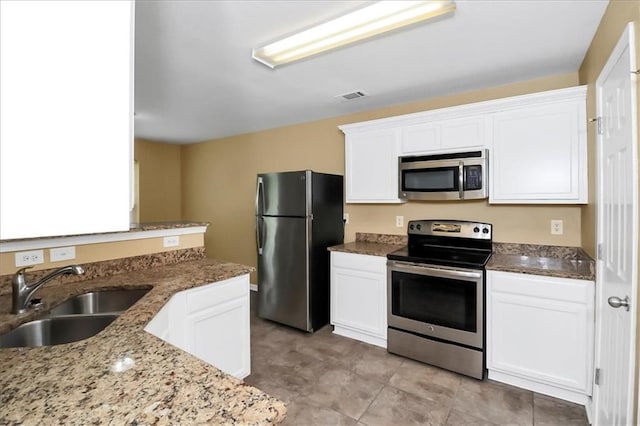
78	318
56	330
98	302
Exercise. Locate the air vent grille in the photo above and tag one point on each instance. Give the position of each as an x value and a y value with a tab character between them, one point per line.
352	95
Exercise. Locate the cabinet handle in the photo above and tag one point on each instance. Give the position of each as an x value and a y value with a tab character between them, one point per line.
616	302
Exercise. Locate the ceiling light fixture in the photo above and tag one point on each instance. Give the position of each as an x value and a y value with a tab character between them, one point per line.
369	21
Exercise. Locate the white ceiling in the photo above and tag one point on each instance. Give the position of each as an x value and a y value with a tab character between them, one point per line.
195	79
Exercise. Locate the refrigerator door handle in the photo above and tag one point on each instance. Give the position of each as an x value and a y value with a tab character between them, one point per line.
260	197
259	233
259	212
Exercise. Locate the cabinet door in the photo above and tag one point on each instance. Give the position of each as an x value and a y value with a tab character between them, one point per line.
372	166
420	138
219	335
469	132
446	135
359	293
216	325
541	329
539	154
66	136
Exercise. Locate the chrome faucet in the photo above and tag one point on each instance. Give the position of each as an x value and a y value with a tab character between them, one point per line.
23	292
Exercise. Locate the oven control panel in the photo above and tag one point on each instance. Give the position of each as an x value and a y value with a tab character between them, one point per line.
451	228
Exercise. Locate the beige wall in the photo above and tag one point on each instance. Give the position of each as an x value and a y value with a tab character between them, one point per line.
617	15
218	181
159	181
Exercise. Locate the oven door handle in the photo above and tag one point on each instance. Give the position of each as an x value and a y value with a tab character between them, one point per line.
426	270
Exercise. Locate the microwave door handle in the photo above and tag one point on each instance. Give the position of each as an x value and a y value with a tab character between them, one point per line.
461	179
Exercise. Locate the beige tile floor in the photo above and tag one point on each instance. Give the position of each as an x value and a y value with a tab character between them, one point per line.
327	379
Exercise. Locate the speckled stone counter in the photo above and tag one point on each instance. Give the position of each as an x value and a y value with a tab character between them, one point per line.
554	261
135	227
562	262
372	244
76	383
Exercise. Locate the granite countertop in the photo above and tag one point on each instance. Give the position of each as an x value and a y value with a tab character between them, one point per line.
372	244
364	247
135	227
554	261
77	382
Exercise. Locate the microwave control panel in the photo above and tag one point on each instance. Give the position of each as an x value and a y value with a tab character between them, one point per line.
472	178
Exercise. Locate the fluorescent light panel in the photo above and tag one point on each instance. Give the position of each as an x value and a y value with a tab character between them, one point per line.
369	21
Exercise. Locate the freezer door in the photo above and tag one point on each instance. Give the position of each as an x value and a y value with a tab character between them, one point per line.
284	194
283	283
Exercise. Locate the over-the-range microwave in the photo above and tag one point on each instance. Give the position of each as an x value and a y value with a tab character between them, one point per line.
449	176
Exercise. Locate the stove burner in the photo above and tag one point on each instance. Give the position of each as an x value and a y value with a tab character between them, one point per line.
446	243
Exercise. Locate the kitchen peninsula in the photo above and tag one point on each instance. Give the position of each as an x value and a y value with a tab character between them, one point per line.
82	381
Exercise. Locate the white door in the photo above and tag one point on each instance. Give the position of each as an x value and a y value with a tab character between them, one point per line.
617	235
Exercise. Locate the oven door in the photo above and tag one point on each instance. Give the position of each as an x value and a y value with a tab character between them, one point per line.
437	302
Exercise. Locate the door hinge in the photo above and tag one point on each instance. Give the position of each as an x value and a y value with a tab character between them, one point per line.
598	121
599	252
596	378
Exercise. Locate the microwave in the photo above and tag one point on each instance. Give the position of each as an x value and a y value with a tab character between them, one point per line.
449	176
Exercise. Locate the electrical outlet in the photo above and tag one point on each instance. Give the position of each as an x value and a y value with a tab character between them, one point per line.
345	217
556	227
59	254
28	258
172	241
400	221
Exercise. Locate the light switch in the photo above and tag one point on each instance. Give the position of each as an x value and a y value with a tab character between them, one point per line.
59	254
172	241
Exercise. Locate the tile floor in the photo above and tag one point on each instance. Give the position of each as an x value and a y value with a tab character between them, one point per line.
327	379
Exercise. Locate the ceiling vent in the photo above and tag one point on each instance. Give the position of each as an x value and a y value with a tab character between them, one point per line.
352	95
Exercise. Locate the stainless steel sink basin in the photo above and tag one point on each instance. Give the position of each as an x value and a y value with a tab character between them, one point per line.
55	330
98	302
76	319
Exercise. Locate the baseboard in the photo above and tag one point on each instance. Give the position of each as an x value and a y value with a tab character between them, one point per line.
357	335
253	287
556	392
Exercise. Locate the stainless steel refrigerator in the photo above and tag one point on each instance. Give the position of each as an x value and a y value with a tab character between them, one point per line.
298	215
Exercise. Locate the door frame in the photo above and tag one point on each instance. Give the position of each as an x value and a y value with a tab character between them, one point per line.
627	39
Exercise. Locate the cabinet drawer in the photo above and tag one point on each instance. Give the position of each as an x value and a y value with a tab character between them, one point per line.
561	289
361	262
220	292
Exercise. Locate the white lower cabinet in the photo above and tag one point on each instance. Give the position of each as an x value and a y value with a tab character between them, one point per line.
359	297
210	322
540	333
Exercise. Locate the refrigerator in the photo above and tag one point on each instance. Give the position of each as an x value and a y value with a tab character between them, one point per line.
298	216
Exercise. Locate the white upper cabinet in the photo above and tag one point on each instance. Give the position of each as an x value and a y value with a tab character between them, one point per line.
66	83
539	152
446	135
372	166
537	147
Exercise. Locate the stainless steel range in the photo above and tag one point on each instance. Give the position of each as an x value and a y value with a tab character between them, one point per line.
436	294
